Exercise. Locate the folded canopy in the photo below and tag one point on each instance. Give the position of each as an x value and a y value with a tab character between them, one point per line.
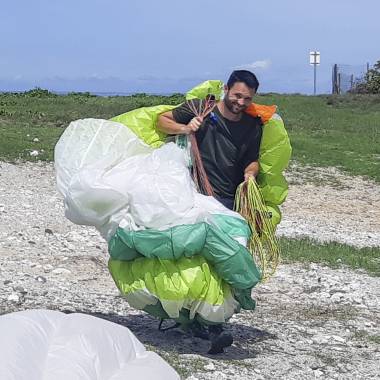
50	345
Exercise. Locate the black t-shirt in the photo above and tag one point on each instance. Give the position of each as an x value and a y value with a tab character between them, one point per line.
227	147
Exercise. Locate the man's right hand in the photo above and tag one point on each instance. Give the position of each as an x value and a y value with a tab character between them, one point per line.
193	125
168	125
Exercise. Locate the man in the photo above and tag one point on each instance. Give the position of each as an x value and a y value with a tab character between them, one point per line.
228	140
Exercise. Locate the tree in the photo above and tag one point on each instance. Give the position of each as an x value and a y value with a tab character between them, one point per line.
371	82
373	79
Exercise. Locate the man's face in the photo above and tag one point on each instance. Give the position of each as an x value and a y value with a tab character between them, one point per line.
238	97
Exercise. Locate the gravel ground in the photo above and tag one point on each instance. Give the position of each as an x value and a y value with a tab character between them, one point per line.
326	205
311	321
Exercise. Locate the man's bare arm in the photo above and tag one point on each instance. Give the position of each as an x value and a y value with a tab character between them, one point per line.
167	124
252	170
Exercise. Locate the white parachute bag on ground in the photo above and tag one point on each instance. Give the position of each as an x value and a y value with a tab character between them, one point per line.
50	345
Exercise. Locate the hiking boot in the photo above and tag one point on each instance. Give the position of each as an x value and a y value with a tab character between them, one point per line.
219	339
199	331
173	326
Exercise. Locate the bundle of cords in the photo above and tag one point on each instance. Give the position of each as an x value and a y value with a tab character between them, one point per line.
200	108
263	244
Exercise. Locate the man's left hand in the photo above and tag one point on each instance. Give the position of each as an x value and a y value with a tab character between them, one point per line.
247	176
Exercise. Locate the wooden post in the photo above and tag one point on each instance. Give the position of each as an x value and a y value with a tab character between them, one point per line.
335	89
338	84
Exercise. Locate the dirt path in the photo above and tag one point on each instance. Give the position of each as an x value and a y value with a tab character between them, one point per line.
311	322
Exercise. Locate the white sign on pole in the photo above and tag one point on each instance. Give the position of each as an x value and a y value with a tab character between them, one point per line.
315	58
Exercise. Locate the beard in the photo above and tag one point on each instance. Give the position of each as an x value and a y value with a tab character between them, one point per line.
233	106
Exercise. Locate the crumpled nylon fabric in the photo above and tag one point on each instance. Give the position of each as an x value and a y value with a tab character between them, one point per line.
50	345
275	149
136	194
122	178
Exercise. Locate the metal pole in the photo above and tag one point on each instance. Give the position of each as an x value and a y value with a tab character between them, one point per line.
314	60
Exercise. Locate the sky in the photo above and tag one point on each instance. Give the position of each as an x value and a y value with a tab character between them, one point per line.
166	46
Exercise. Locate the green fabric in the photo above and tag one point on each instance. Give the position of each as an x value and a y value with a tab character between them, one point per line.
200	262
183	318
275	152
214	87
184	290
143	121
275	213
275	149
232	226
231	260
194	262
171	280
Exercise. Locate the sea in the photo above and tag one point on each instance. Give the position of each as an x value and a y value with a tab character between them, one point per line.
105	94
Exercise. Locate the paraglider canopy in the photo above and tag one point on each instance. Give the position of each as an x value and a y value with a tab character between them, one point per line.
50	345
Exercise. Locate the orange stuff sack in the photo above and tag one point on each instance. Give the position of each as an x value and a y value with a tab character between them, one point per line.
262	111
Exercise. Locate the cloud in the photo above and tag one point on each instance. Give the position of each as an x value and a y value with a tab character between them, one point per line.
263	65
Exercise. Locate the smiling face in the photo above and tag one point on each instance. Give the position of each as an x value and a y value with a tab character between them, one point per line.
238	97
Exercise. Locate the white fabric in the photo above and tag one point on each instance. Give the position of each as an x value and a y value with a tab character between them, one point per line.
50	345
109	177
220	313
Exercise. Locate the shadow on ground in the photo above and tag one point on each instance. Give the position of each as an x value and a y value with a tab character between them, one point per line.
175	340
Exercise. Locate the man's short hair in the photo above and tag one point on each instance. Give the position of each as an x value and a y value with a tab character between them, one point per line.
244	76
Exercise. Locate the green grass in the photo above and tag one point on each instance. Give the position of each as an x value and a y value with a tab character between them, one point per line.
43	115
185	367
340	131
332	254
367	337
335	131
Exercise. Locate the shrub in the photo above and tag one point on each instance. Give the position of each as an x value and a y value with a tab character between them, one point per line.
370	83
